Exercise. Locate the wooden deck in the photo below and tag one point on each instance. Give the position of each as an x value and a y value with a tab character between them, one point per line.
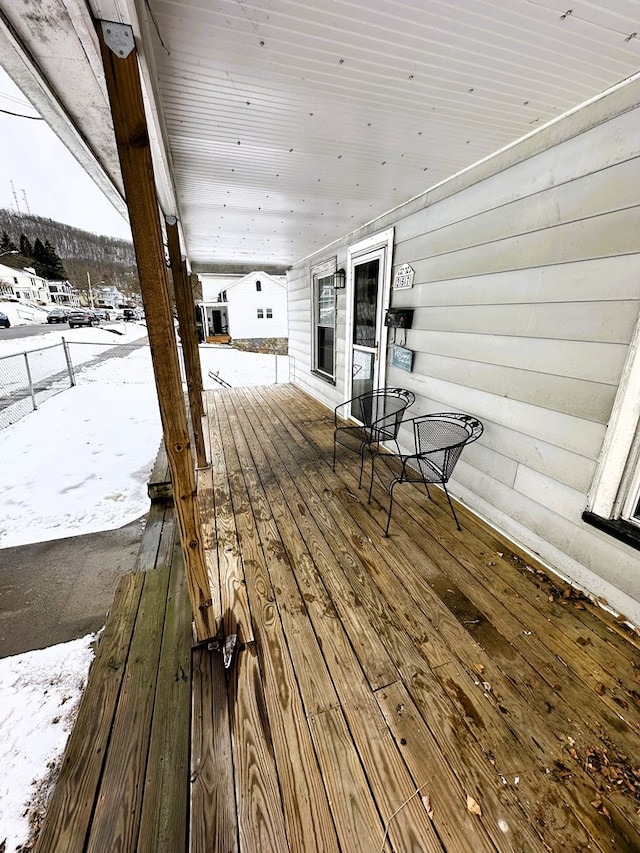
434	691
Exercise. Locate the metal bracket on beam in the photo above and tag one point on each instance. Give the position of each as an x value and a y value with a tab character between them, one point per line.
226	645
118	37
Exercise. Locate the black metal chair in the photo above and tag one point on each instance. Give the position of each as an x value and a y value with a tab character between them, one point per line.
381	413
439	441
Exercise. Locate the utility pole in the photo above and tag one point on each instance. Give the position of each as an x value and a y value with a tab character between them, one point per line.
90	290
15	197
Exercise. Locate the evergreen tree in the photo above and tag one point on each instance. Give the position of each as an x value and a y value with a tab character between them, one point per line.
54	262
6	243
26	248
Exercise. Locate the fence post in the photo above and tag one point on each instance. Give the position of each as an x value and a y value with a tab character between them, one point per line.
67	356
33	393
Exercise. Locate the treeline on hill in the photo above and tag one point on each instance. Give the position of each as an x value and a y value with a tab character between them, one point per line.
65	252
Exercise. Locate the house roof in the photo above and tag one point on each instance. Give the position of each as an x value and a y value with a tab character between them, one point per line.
278	127
258	274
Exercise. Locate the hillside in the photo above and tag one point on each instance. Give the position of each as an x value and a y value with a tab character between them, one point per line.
106	259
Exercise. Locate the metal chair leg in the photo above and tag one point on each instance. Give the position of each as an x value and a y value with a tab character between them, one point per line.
393	485
444	486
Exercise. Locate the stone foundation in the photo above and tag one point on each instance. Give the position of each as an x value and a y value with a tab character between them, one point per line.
279	346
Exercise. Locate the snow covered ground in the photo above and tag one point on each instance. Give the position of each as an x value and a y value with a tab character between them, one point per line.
78	464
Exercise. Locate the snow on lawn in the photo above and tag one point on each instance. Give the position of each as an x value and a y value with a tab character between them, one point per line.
40	693
78	464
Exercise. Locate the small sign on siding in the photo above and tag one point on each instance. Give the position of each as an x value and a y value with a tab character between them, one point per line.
403	278
402	358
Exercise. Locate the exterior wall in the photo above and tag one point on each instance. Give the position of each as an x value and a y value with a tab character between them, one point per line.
526	294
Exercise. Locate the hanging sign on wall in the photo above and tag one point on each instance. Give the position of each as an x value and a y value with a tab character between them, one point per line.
402	358
403	277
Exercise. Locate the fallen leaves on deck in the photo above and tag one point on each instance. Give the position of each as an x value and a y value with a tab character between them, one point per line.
473	806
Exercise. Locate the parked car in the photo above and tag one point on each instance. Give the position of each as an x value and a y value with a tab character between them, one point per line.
103	313
4	320
58	315
83	317
132	314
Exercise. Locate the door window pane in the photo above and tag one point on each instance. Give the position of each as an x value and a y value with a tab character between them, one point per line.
365	303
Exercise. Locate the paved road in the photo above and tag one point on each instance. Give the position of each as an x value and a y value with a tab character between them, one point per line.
54	592
28	331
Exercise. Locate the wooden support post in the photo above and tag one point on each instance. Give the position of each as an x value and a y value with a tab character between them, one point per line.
120	62
188	335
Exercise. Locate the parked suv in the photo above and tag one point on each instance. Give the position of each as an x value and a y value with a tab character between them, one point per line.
83	317
4	320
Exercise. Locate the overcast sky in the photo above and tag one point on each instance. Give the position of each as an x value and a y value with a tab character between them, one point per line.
43	170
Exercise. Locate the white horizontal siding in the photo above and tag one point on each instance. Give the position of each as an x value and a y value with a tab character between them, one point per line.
577	359
580	281
604	321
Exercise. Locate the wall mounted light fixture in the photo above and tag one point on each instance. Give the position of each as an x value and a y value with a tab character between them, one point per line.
340	279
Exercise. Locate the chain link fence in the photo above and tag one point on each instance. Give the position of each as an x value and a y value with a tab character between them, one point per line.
27	379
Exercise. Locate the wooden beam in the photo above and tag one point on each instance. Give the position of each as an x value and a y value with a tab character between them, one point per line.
186	309
120	62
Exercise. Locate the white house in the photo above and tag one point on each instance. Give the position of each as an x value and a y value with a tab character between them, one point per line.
250	310
62	293
23	284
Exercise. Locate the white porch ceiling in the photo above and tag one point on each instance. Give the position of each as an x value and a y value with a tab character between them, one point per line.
284	125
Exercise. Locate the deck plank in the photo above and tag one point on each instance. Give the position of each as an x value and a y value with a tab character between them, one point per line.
234	607
213	819
116	818
165	804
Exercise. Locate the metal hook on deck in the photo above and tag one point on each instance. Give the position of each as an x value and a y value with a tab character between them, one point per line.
227	646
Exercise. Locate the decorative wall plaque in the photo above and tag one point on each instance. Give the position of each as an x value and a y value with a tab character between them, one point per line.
402	358
403	277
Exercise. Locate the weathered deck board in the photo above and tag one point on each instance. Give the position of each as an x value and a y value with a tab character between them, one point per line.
165	805
213	818
73	818
378	684
160	486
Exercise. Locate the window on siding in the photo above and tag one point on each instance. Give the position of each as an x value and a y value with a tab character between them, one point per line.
614	498
260	313
258	285
324	319
269	313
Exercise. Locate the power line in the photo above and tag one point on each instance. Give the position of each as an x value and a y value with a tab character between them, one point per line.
20	115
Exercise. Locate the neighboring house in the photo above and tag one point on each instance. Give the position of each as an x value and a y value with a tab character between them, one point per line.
62	293
522	272
109	296
250	310
23	284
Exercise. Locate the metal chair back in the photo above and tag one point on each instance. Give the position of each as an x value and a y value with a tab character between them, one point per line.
440	439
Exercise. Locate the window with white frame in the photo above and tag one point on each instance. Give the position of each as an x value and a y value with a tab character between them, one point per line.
269	313
614	498
324	319
260	313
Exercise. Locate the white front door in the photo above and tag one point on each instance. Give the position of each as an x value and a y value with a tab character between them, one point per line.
368	285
